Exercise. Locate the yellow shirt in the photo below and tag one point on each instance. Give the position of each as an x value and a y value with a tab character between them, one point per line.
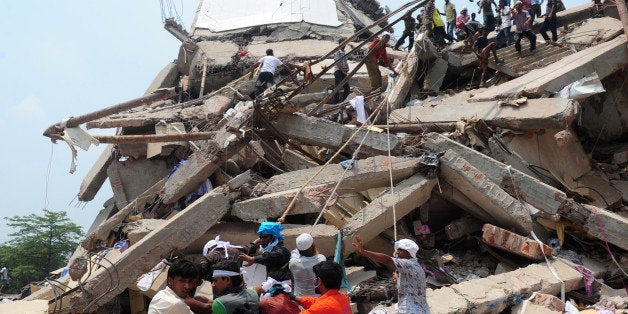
449	12
438	22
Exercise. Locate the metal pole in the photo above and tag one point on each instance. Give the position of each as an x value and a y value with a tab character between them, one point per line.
153	138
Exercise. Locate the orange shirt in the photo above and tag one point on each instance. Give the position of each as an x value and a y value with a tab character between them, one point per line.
380	51
332	302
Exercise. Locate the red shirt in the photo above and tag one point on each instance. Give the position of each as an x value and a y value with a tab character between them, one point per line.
279	304
380	52
332	302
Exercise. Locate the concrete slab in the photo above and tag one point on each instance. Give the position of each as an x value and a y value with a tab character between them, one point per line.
325	133
378	215
594	31
541	113
482	191
604	59
25	307
165	78
435	75
367	173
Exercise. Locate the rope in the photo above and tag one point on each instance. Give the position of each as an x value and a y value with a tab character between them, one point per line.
392	188
355	153
294	199
608	248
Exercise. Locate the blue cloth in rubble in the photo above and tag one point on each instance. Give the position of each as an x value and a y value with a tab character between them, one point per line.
271	228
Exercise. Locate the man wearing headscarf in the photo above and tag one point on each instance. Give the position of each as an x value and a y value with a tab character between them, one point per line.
269	251
411	283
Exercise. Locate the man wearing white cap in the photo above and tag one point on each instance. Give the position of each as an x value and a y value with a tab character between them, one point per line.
411	283
302	259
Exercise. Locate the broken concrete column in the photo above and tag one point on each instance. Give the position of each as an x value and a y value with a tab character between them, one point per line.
536	193
453	195
138	229
514	243
541	303
325	133
198	167
435	75
378	215
543	113
477	187
177	233
407	72
494	294
96	176
366	173
310	200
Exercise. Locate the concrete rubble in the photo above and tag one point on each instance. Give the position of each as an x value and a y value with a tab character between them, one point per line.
505	188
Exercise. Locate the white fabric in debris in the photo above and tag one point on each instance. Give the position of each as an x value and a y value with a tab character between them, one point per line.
358	104
220	15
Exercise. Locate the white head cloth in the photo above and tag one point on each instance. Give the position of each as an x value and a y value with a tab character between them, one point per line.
270	282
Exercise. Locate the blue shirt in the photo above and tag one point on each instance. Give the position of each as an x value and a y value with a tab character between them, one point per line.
481	43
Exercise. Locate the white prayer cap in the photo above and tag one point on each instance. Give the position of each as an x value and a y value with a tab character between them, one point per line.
386	34
304	241
210	245
464	8
407	245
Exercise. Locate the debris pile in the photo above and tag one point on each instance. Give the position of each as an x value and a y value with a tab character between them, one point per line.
514	192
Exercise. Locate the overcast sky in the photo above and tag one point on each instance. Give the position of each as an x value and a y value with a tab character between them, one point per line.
68	58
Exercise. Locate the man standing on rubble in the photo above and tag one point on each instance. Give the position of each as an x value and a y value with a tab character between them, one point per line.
408	31
302	259
377	51
411	282
342	69
523	22
269	251
267	74
182	278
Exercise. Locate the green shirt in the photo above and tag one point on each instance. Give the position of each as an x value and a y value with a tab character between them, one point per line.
244	301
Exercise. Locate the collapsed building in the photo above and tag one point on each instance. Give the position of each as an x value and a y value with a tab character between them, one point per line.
513	191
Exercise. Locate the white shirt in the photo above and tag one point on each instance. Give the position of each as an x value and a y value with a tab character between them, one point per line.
301	268
3	274
358	104
506	14
168	302
269	64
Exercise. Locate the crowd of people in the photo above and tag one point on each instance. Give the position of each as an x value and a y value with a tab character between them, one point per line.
497	17
301	281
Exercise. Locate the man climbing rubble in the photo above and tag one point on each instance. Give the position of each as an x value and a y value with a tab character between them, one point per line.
377	51
266	76
411	277
482	49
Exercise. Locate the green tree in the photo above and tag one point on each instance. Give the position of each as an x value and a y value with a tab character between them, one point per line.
38	245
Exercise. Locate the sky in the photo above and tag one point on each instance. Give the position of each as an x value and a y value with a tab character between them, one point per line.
68	58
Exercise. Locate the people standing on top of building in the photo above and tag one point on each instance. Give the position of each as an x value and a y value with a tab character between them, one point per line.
302	259
268	250
409	26
462	31
269	67
182	278
377	51
411	282
438	30
276	299
536	7
486	8
550	20
450	17
340	72
482	49
523	22
332	301
230	293
504	30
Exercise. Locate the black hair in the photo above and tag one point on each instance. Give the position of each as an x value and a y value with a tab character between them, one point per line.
184	269
269	52
230	265
330	273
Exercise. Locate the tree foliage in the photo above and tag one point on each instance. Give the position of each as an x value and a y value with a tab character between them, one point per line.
38	245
